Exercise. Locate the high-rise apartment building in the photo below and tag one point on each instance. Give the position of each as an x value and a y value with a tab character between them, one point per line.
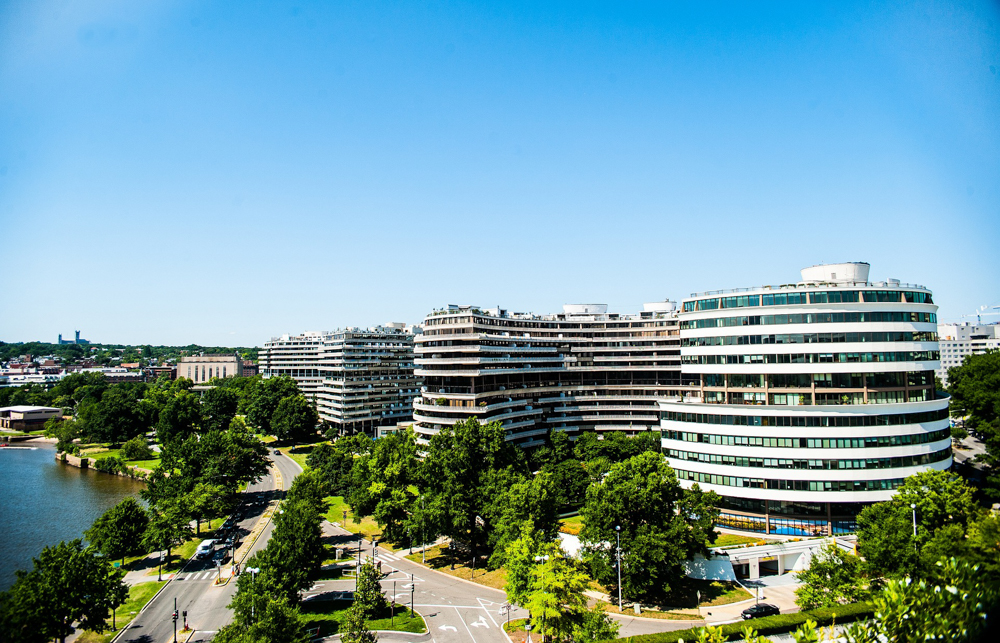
581	370
958	341
814	399
359	378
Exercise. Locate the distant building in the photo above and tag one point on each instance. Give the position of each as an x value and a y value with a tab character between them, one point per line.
202	368
359	378
250	368
76	340
960	340
26	418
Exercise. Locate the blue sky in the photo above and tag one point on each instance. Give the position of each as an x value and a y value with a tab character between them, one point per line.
221	172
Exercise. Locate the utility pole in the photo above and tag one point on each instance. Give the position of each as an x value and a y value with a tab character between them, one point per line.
618	533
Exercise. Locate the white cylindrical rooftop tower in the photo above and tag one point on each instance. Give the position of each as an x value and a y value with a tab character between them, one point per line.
854	271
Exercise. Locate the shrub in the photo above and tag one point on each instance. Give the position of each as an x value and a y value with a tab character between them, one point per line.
137	449
110	464
769	624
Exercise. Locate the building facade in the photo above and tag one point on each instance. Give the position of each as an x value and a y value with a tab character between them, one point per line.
582	370
814	399
202	368
960	340
359	378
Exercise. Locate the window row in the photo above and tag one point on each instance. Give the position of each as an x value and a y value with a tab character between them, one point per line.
820	380
807	421
814	358
790	485
801	298
808	443
811	318
796	463
811	338
785	526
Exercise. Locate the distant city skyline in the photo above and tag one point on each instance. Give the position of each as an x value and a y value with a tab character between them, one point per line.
174	173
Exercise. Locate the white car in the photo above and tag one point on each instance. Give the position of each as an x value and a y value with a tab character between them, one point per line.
205	549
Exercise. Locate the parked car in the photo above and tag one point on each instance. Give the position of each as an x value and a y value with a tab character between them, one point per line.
205	549
221	556
276	452
760	609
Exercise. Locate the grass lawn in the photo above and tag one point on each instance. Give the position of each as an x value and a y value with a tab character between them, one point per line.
329	615
712	593
144	464
368	527
728	540
571	525
138	596
442	560
651	613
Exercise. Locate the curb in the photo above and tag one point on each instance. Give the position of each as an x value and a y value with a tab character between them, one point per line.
153	598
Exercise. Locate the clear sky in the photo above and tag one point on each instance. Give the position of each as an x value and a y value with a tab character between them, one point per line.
222	172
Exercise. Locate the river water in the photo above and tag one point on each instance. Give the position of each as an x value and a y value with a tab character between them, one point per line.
43	501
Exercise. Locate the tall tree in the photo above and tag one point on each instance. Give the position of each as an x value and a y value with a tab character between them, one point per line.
261	398
661	525
975	395
834	577
69	586
120	530
294	420
944	503
179	417
115	418
219	406
381	480
454	474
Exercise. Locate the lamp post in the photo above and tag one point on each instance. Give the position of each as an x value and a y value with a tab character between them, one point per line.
542	559
253	577
618	534
913	508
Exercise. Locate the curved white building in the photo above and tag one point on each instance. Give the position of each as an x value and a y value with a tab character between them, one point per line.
814	398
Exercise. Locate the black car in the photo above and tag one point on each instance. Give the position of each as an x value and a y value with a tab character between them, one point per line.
760	609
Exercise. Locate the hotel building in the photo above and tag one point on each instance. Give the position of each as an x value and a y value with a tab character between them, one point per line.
358	378
580	370
813	399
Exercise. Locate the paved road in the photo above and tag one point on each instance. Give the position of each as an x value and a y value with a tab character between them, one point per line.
193	587
455	610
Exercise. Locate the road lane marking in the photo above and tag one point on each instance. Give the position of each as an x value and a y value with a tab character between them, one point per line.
466	625
481	622
448	628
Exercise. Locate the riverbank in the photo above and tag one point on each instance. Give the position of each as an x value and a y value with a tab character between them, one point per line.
136	473
44	502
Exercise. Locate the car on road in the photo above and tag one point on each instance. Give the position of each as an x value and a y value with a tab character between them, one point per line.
760	609
221	556
276	452
205	549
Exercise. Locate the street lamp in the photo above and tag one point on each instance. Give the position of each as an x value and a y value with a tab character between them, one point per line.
253	578
618	533
913	507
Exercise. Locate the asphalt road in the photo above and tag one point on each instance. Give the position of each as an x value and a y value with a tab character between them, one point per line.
193	586
455	610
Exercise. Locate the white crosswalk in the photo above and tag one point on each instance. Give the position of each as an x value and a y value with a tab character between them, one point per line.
209	575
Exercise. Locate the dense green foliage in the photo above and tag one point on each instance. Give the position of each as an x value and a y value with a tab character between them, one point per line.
69	587
975	395
834	577
294	419
661	525
119	531
949	523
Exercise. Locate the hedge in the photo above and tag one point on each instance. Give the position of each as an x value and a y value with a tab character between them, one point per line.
769	624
